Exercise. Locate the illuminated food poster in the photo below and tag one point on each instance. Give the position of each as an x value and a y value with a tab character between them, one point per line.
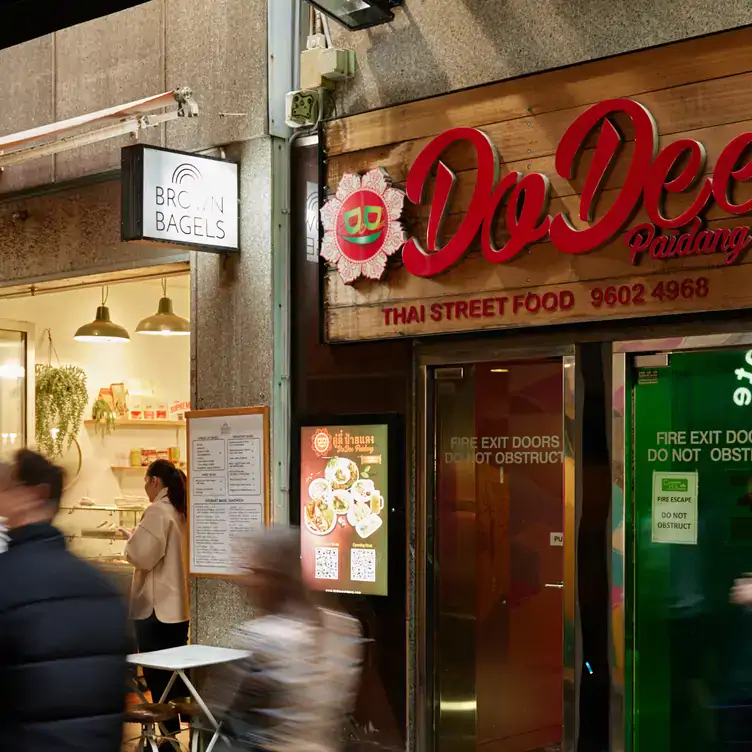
343	518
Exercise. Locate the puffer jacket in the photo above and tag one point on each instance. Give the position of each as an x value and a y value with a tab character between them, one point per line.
63	645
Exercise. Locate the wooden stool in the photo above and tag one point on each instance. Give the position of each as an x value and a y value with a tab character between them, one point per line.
187	707
149	716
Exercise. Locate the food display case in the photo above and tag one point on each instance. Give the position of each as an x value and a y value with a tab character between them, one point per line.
92	532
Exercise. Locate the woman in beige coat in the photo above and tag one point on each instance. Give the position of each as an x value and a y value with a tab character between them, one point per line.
159	593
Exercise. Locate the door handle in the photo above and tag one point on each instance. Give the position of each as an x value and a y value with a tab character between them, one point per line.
559	585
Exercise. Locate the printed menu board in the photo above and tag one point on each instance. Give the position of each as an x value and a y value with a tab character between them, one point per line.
228	469
344	473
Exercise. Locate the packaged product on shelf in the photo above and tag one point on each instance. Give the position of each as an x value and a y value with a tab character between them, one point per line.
136	413
136	458
149	411
161	411
163	454
178	408
148	456
174	455
105	394
119	398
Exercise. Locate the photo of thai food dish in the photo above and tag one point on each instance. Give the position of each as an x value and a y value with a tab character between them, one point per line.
346	495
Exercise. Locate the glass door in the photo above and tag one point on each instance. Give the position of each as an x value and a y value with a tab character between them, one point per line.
501	590
16	386
689	514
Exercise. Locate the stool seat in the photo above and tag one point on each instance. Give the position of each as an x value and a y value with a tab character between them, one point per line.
149	712
186	706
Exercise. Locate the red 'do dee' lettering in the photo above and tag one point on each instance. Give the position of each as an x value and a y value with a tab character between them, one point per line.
726	170
694	155
527	220
564	236
425	264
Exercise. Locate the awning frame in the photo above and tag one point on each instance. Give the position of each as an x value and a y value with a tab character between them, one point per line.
132	118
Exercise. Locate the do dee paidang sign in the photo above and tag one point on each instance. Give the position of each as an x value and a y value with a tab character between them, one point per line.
657	215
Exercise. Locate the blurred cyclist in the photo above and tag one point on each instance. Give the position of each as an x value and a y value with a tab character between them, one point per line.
299	683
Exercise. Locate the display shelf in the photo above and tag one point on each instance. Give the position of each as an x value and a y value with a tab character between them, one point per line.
142	468
96	508
139	423
104	508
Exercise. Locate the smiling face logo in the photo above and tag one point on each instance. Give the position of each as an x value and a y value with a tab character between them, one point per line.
362	225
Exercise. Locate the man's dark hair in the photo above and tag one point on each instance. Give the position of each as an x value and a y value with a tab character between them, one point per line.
32	470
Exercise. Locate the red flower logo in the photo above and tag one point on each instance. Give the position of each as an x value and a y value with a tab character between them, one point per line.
362	225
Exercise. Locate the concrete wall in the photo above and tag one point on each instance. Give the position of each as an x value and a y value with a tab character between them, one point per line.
217	47
232	346
70	233
435	46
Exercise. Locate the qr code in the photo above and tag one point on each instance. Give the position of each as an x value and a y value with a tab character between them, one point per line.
363	565
327	563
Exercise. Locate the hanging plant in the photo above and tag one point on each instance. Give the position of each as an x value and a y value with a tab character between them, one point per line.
61	398
104	415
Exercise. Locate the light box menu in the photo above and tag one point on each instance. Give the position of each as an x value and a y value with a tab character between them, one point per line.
344	482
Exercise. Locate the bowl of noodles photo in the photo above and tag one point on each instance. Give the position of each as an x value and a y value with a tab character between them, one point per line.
320	517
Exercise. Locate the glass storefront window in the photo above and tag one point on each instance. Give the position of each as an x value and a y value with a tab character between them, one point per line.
497	526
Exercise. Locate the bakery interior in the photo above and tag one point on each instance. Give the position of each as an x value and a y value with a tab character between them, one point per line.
96	374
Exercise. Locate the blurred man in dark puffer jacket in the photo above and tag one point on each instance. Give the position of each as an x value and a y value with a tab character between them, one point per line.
63	627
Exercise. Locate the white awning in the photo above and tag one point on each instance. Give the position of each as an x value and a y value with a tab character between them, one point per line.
79	131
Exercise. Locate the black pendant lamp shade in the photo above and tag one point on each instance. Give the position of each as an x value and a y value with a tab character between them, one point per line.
102	329
165	321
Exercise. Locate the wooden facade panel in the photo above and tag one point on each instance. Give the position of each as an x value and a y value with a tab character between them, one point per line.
539	266
695	107
367	322
713	138
685	97
625	76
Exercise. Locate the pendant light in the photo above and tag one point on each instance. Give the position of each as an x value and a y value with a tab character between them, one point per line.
164	322
102	329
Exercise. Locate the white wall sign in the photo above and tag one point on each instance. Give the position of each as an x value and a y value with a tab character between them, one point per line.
179	198
557	539
675	508
228	477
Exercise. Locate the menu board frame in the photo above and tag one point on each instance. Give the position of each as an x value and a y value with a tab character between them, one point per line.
397	491
228	413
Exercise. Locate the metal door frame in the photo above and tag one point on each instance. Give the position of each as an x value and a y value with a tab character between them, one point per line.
29	331
428	357
621	716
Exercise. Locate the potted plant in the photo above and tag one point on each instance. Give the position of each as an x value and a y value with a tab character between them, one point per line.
60	401
104	415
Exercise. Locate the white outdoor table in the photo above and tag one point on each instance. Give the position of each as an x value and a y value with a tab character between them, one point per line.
182	659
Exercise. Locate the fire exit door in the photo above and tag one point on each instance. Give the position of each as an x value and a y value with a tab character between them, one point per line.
684	427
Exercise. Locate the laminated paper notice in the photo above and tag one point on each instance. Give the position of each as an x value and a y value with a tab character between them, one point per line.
227	489
675	508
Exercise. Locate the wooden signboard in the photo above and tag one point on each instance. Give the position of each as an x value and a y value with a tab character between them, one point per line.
228	486
648	151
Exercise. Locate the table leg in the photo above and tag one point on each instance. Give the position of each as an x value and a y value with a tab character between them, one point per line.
204	709
134	686
161	700
169	686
